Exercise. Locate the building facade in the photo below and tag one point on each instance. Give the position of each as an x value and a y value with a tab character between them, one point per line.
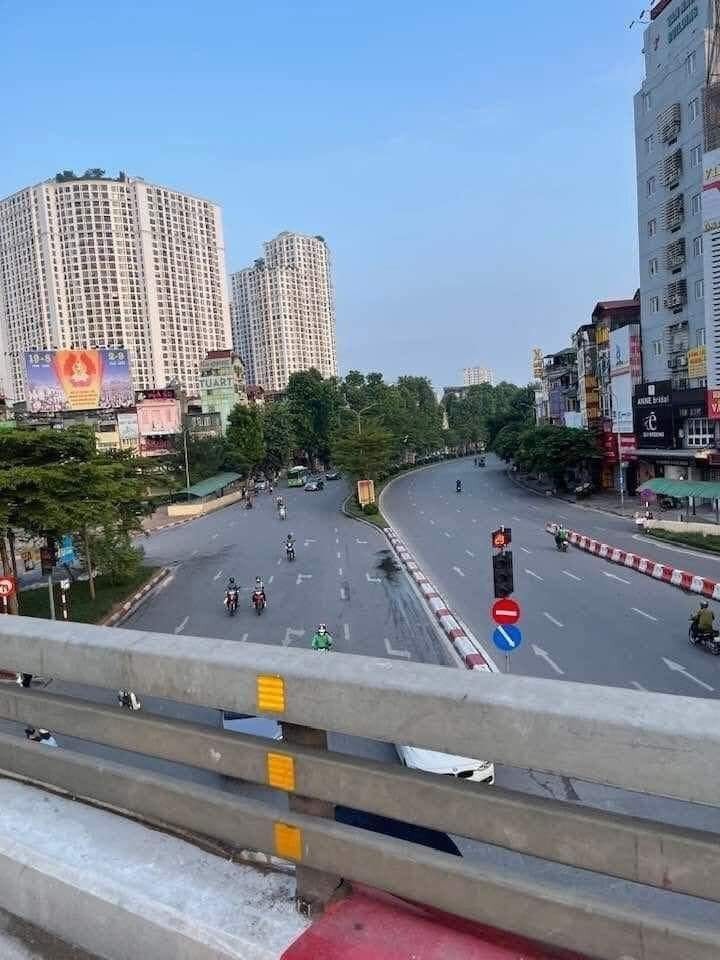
474	376
222	384
100	262
283	311
556	394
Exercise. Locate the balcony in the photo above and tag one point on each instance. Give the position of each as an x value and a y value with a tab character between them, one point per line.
672	168
674	213
669	124
675	255
675	295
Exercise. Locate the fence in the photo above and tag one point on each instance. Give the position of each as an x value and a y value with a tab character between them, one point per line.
653	743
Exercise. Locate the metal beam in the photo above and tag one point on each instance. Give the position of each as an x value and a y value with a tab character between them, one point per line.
673	858
542	910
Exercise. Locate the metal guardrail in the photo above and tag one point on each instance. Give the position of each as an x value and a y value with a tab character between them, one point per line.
655	743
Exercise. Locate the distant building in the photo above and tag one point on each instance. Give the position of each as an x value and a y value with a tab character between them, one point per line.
283	311
556	395
474	376
222	384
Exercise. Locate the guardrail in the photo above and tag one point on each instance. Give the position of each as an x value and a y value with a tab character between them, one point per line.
664	745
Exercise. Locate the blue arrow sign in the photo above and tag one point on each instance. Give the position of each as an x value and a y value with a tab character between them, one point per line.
507	638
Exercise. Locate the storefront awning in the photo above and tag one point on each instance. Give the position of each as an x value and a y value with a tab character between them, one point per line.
700	489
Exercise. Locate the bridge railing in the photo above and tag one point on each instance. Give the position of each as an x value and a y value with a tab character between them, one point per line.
656	744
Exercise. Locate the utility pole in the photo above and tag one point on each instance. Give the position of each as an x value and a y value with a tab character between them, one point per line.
187	462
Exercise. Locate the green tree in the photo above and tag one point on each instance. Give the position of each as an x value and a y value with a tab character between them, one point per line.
245	443
363	453
313	404
207	456
554	450
277	432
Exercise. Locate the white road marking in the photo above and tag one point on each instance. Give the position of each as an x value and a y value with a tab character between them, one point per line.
272	577
308	542
470	553
181	626
638	686
666	546
679	668
531	574
337	539
217	575
525	550
517	519
532	507
601	529
339	555
496	509
244	637
422	513
194	553
458	571
303	576
642	613
552	619
372	579
215	536
336	529
360	541
339	571
291	635
343	593
562	516
448	535
539	652
572	575
396	653
346	632
279	561
474	519
614	576
432	522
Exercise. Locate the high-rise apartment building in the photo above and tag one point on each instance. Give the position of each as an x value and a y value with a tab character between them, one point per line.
101	262
669	150
474	376
283	311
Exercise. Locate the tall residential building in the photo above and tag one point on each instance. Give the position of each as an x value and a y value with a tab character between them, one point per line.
669	150
94	261
283	311
474	376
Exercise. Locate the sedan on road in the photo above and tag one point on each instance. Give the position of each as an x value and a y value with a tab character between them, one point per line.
314	485
333	475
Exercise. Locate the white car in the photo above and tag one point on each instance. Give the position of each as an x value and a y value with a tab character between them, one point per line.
430	761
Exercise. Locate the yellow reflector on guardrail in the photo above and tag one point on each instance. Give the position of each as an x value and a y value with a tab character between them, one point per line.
270	694
281	771
288	841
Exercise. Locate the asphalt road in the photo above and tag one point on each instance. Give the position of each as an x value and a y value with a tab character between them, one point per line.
582	618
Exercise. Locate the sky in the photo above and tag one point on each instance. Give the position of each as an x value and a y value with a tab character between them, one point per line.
471	164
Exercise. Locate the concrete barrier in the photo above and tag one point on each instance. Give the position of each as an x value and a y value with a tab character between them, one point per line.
207	506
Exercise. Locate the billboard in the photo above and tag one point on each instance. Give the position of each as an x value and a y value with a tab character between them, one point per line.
697	362
127	424
77	380
158	417
622	403
654	414
620	351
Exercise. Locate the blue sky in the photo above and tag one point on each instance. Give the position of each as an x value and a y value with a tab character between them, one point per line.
471	164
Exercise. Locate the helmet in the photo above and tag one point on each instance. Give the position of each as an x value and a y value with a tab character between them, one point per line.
322	628
704	604
231	581
258	580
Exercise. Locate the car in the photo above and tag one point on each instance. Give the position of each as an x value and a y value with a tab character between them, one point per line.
315	485
430	761
333	475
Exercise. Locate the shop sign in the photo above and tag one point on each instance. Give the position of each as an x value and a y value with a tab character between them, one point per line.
653	414
697	362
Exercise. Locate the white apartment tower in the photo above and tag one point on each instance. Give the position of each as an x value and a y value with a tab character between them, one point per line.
283	311
474	376
101	262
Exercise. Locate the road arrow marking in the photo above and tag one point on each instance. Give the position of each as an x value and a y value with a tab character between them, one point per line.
539	652
360	541
552	619
372	579
525	550
181	626
614	576
470	553
217	575
678	668
291	635
303	576
572	575
446	534
531	574
642	613
308	542
458	571
396	653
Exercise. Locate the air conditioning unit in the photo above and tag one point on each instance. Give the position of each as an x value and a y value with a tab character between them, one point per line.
682	361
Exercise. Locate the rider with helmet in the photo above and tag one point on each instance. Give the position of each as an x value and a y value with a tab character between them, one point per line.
703	621
322	639
458	486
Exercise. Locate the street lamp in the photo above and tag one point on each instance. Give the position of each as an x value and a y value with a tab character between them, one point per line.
359	413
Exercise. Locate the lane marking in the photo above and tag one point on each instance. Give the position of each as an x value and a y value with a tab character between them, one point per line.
496	509
336	529
181	626
279	561
539	652
308	542
432	522
194	553
530	573
215	536
343	594
525	550
372	579
572	576
339	555
562	516
337	539
679	668
360	541
217	575
447	534
339	571
272	577
601	529
648	616
396	653
346	632
666	546
517	519
458	571
552	619
303	576
614	576
243	638
470	553
532	507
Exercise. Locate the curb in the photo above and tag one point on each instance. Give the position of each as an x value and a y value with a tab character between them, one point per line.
131	605
573	503
675	576
464	647
167	526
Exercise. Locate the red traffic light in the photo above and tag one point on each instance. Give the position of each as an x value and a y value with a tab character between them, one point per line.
501	538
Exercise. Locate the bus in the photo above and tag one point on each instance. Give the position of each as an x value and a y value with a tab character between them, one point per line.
297	476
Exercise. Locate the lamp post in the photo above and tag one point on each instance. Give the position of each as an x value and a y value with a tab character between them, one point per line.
359	413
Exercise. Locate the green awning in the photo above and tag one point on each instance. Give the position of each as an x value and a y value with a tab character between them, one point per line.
213	484
700	489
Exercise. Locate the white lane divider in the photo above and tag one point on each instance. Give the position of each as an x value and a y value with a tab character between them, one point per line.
217	575
343	593
458	571
552	619
679	668
432	522
337	540
215	536
303	576
396	653
360	541
572	576
614	576
339	555
517	519
308	542
194	553
346	632
544	655
279	561
272	577
447	534
648	616
339	571
181	626
531	573
470	553
372	579
525	550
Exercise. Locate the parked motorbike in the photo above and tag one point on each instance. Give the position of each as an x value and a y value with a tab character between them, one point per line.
258	601
711	641
231	602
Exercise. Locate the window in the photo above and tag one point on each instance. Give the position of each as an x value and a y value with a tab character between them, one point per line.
700	337
651	184
652	227
649	143
700	432
653	267
694	109
696	155
657	348
654	304
699	289
690	64
698	246
696	203
647	102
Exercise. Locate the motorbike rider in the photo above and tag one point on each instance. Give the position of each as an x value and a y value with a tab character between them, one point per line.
703	620
458	486
561	535
259	590
282	512
289	543
322	639
231	588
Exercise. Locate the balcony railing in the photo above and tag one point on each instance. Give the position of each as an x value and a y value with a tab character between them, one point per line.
647	742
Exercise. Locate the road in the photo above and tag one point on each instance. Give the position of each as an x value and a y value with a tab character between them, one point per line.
582	618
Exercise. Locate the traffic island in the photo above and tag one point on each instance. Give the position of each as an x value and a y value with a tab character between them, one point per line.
110	597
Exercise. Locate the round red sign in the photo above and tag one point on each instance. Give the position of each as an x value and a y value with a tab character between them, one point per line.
506	611
7	587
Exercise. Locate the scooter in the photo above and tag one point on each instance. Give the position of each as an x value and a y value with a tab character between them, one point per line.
710	641
290	552
562	545
258	600
231	602
283	513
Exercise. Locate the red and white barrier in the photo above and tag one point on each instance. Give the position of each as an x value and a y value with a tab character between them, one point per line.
651	568
471	656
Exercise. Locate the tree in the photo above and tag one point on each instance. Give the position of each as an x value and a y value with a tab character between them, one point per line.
277	432
554	450
207	456
364	452
507	441
313	404
244	436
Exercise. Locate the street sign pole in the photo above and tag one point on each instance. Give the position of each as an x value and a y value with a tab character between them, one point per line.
507	663
4	599
64	587
51	594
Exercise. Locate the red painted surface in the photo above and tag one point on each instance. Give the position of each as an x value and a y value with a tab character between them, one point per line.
370	925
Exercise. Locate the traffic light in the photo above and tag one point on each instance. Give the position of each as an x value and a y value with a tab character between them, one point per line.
503	582
501	538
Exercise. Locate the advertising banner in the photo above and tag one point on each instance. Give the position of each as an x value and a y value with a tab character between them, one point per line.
713	404
204	424
127	424
635	353
77	380
156	446
697	362
654	415
620	351
573	419
158	418
622	403
711	191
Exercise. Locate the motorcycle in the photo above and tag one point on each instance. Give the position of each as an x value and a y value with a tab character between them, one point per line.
562	545
290	552
711	641
231	602
283	513
258	600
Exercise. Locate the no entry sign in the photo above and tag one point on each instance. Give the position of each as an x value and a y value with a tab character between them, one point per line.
7	587
506	611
